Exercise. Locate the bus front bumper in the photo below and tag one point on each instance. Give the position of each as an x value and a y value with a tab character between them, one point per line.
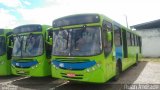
94	74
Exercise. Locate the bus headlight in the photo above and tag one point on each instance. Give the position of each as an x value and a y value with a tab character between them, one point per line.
12	65
88	70
53	66
93	68
56	67
98	65
33	67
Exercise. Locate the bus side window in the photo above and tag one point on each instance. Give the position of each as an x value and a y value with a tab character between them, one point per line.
117	36
140	44
125	41
48	46
107	27
9	47
132	38
129	42
135	40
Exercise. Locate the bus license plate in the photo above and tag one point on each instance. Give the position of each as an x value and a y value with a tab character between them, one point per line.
21	72
71	75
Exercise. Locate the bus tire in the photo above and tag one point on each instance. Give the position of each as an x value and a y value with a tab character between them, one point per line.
136	60
118	70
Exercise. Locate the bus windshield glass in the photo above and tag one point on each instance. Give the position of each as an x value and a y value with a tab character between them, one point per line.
1	31
77	42
2	45
28	45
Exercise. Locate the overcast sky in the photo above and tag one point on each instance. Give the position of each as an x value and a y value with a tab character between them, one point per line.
19	12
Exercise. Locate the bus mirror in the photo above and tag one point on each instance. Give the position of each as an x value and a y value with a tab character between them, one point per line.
109	36
10	43
50	40
49	35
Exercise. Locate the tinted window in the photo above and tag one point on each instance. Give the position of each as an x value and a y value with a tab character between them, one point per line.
1	31
2	45
28	45
132	40
117	36
135	40
77	42
128	39
140	43
125	49
107	27
76	19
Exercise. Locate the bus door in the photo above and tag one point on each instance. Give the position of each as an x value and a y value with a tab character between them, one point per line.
125	49
118	42
126	45
108	45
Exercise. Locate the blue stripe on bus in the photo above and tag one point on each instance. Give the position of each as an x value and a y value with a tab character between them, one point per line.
74	65
24	64
119	52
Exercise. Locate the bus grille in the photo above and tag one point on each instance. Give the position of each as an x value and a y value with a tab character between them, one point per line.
77	76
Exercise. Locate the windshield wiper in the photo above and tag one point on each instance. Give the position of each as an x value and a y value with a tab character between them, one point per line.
1	39
76	38
28	40
67	38
2	45
18	37
20	41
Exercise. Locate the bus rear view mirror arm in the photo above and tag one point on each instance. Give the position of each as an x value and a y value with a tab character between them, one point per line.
109	36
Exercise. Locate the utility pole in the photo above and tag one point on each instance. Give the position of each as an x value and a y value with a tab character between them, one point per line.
126	20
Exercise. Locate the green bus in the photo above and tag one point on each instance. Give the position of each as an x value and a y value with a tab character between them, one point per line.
92	48
5	52
31	50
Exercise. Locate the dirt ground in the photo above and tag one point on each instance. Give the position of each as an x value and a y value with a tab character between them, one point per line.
146	74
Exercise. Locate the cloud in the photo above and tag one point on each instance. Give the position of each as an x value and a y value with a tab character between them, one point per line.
11	3
26	3
136	11
48	3
7	20
60	8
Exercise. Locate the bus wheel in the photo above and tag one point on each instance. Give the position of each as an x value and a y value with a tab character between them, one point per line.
118	70
136	60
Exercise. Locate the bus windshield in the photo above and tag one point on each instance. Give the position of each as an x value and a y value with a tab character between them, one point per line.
2	45
28	45
77	42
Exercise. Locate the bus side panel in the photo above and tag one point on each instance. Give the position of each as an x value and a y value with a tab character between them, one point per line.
125	60
109	66
42	69
132	51
4	66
